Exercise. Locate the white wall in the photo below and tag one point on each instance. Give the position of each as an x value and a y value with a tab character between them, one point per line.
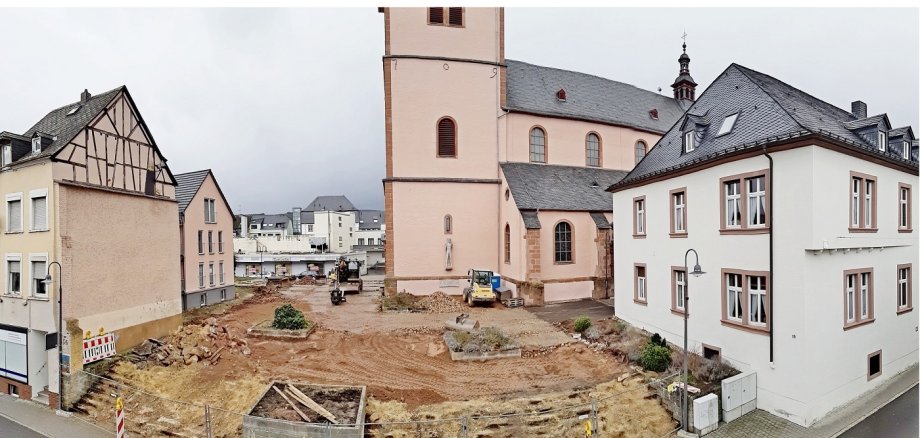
810	202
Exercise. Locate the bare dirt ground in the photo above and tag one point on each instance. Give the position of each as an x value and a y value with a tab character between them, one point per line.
403	361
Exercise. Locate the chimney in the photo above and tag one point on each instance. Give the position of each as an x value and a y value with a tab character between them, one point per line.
84	96
859	109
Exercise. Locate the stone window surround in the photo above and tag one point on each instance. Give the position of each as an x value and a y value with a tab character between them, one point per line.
910	288
600	149
857	302
671	207
745	323
636	298
910	226
635	203
743	200
861	228
674	309
869	360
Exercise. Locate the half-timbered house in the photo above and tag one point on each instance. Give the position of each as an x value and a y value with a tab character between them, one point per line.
86	189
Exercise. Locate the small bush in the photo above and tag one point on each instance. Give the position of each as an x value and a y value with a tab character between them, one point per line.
289	318
620	326
582	323
655	357
494	339
592	334
462	337
658	340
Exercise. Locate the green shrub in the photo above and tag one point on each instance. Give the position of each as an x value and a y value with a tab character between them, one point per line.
289	318
462	338
658	340
493	338
655	357
582	323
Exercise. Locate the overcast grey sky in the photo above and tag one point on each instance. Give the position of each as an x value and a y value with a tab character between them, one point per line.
287	104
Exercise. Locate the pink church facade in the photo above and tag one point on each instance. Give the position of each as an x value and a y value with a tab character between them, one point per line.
499	164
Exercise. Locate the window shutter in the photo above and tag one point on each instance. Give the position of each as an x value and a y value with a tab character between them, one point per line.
38	270
447	138
15	215
455	16
436	15
39	213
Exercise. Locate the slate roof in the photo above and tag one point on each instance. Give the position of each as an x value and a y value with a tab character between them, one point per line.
306	217
600	220
768	110
187	185
366	219
554	187
867	122
264	219
532	89
531	220
330	203
58	124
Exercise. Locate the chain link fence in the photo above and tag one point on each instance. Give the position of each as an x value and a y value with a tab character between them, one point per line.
151	415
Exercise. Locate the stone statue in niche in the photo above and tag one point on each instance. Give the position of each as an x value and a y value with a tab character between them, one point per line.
448	252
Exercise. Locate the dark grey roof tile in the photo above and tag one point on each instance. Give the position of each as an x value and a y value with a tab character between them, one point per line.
553	187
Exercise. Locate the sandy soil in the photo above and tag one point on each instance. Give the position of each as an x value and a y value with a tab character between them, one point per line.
400	357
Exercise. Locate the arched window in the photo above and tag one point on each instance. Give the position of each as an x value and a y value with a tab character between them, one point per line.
563	243
593	150
537	145
507	243
640	151
448	224
447	137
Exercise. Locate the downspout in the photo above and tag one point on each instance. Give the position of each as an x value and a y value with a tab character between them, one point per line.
770	219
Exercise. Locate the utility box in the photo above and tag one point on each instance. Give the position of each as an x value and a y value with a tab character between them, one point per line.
706	413
739	395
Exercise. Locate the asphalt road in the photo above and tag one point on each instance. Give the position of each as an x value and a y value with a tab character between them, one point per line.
10	429
897	419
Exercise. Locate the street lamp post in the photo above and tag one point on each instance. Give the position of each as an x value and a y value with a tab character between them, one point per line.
60	339
697	271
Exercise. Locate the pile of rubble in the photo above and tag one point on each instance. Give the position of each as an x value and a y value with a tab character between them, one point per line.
439	302
190	344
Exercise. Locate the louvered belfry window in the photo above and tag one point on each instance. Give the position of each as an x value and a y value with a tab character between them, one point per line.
435	15
447	138
455	16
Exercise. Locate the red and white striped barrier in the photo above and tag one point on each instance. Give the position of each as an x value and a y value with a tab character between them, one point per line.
98	348
119	419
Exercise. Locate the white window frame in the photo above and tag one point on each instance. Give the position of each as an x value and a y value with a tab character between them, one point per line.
7	155
223	295
903	205
733	199
201	275
641	292
13	197
36	145
210	211
903	291
220	271
220	242
905	150
680	289
728	123
640	216
210	241
6	271
864	279
882	140
679	206
689	141
852	279
735	305
33	195
35	257
760	199
869	184
757	299
211	273
203	300
855	187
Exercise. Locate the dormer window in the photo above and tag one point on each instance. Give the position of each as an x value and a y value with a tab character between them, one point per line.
653	114
560	95
882	140
727	124
7	154
689	141
36	145
905	150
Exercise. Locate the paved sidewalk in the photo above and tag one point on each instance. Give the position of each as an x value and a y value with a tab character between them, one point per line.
761	424
46	422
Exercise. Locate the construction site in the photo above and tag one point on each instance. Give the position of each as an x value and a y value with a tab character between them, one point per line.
209	377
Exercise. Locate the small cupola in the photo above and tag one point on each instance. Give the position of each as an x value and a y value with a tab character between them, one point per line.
684	86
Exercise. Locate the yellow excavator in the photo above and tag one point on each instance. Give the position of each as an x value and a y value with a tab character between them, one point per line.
480	289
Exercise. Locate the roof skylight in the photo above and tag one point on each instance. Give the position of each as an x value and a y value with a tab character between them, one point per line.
73	110
728	124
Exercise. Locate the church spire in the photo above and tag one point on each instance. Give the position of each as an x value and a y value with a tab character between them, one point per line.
684	86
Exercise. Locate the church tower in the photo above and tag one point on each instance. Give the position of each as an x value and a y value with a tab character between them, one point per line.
443	71
684	86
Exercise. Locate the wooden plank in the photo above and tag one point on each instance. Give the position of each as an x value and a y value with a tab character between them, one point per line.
308	402
299	412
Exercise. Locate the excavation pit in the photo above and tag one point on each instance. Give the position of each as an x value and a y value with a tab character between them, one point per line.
273	415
